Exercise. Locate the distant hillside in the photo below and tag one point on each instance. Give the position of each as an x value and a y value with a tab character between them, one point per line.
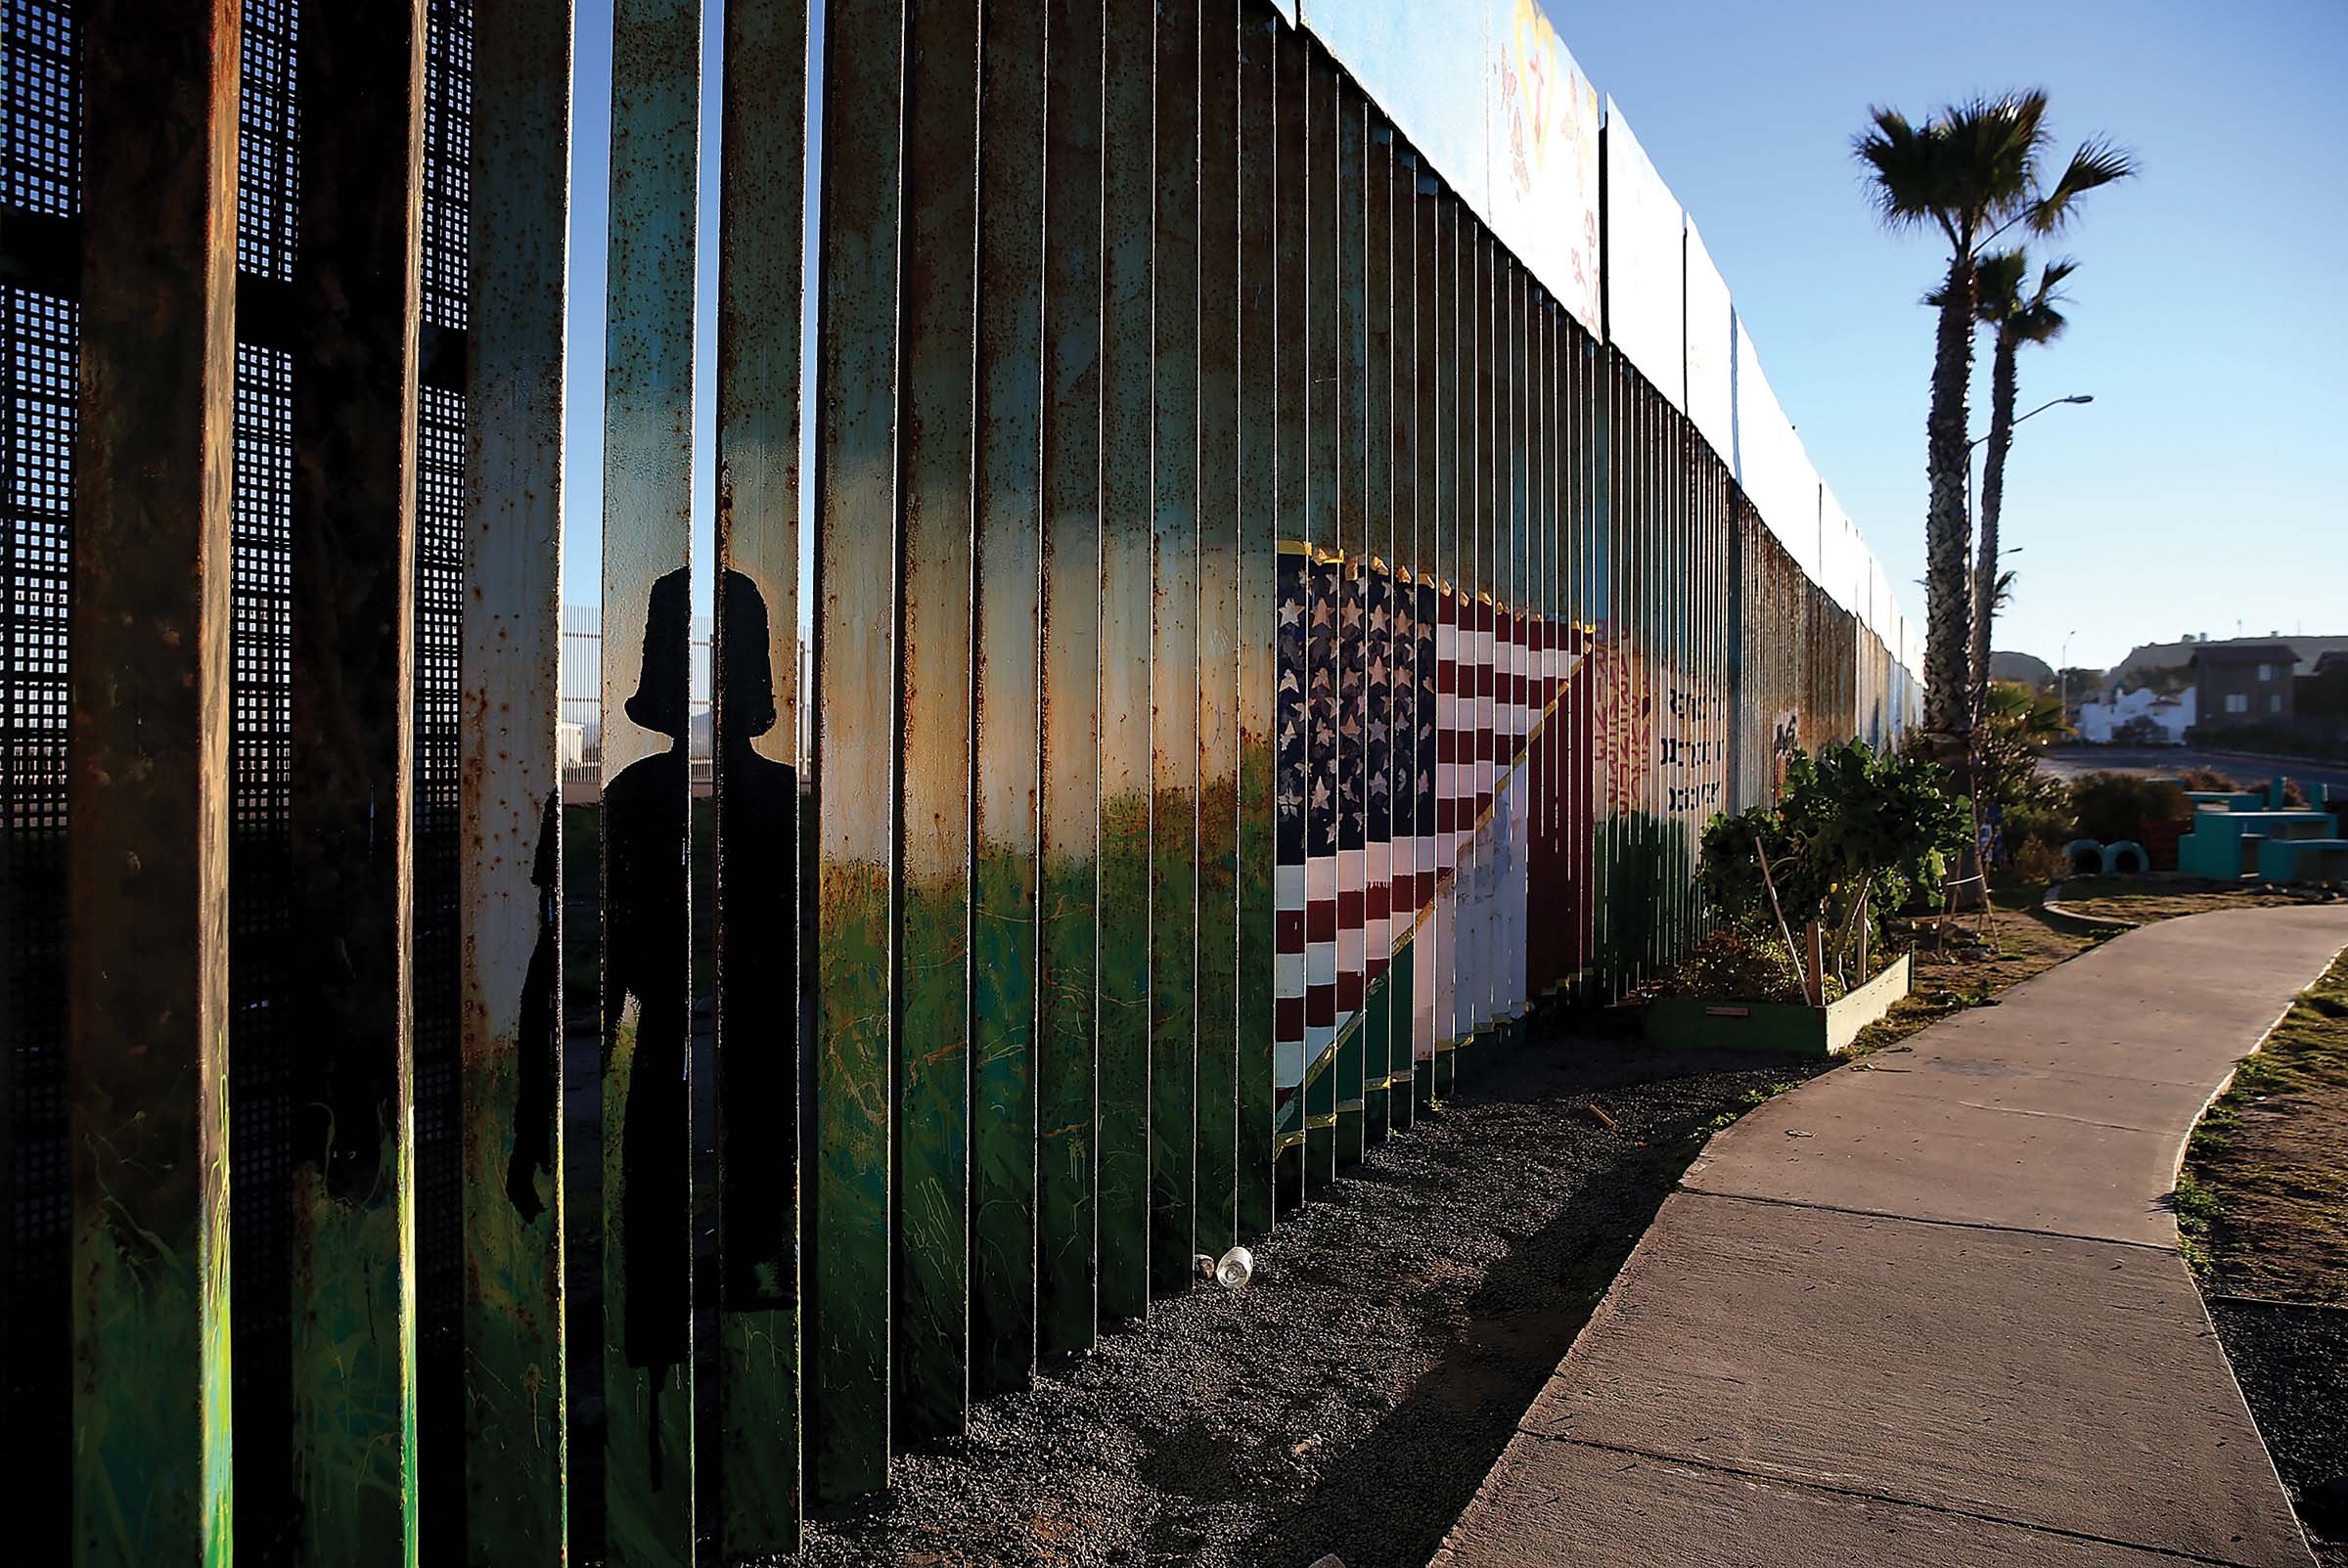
2032	672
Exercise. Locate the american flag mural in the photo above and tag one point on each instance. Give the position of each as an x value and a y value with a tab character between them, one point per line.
1425	719
1401	755
1323	806
1449	774
1292	720
1378	674
1352	791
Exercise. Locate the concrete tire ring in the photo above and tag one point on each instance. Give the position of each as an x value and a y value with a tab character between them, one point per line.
2083	857
2127	858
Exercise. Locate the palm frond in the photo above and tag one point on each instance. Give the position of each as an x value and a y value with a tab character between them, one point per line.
2050	276
1903	160
2098	162
1997	144
1996	286
2039	319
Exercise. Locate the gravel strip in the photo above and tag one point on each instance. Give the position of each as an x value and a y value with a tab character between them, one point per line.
2292	1363
1353	1397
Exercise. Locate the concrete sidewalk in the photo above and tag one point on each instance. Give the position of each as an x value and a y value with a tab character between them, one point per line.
1929	1310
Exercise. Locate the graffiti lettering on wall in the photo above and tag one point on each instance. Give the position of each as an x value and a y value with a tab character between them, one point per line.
1626	722
1688	754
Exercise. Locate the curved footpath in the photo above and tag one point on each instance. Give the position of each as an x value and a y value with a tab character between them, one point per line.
1929	1309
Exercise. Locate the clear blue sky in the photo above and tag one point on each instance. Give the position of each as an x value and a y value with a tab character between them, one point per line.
2196	492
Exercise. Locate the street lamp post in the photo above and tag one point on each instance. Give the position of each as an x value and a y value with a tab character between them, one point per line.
2062	676
2052	402
1984	592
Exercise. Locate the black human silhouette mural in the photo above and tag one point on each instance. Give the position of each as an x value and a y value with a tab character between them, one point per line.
540	1040
758	954
648	951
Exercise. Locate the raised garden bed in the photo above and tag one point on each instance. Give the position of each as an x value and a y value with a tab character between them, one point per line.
1694	1022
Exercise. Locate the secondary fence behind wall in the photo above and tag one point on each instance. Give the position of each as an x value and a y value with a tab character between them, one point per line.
585	1082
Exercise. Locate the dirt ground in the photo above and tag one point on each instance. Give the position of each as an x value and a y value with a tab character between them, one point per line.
1351	1399
2266	1177
2164	896
2263	1207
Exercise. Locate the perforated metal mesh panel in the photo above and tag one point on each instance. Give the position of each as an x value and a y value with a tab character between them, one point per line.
40	350
436	978
43	157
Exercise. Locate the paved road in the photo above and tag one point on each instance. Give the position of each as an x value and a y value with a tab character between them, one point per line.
1931	1312
2070	762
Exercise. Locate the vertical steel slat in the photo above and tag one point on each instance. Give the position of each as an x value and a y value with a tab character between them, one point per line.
1739	710
1514	609
350	769
851	1150
149	636
1590	774
1067	1091
1573	668
1257	537
1173	657
1127	190
1532	677
1444	568
1534	682
1427	442
1218	1181
1479	540
759	775
1508	543
936	437
1550	899
1377	622
1605	595
1613	906
1474	529
1508	573
1402	744
1553	912
1493	556
1322	412
1352	548
510	812
645	813
1006	719
1292	315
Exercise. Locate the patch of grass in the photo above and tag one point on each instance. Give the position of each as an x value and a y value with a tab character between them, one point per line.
2262	1203
2163	896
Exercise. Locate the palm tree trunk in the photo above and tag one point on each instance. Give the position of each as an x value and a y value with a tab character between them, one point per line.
1993	489
1947	603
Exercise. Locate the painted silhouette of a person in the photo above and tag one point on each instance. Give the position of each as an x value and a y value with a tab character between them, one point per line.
757	956
648	951
540	1042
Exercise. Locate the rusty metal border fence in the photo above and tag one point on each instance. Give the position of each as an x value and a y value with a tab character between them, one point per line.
1256	648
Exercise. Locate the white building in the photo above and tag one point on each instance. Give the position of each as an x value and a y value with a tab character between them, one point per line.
2102	722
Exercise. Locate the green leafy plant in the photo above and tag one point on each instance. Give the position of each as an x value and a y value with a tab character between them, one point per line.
2037	860
1854	832
1741	961
2016	727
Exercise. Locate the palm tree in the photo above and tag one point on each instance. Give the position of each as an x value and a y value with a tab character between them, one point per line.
1972	172
2017	321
